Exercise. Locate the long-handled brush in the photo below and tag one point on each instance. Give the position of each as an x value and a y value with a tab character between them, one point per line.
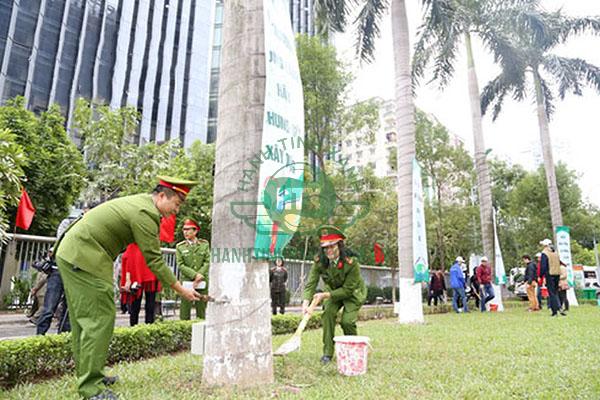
293	343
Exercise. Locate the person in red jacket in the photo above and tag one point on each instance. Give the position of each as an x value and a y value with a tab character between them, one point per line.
136	279
484	277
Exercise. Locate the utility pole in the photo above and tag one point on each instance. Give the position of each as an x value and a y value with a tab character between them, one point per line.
596	252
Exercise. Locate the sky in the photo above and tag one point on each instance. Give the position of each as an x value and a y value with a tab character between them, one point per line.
514	136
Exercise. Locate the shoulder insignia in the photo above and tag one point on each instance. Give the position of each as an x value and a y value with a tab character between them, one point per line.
180	243
203	241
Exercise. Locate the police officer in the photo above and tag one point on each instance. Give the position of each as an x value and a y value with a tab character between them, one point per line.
344	287
85	257
193	261
277	278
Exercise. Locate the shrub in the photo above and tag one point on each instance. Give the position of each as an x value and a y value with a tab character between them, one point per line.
372	293
287	323
45	356
387	293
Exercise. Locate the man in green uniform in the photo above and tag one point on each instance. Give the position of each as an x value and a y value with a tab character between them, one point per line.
344	287
85	258
193	260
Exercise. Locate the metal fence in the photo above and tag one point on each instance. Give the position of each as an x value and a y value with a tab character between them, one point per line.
298	275
21	251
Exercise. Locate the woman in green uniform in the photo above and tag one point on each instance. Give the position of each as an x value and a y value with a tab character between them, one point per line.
344	287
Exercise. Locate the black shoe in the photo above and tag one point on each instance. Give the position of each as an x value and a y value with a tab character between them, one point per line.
325	360
564	314
110	380
104	395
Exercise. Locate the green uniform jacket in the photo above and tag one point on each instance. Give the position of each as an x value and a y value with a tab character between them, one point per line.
343	284
193	259
95	241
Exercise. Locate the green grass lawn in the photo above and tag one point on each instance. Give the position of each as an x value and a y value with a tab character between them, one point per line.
514	354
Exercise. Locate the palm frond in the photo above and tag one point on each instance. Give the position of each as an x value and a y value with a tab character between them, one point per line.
570	26
493	94
331	15
367	27
548	98
422	54
571	73
438	38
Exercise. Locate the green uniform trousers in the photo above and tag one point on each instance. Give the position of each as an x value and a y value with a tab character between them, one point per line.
92	317
186	309
348	322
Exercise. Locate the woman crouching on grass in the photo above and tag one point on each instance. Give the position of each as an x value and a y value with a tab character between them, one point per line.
344	287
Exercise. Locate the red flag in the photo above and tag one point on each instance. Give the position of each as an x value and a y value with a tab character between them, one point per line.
379	257
167	228
25	212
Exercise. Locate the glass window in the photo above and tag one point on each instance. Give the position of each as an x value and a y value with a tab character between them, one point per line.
219	12
18	63
88	58
25	29
107	56
217	35
13	88
5	12
216	58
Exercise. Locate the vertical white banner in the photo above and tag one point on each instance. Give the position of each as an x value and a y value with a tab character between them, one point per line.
281	176
563	246
420	258
499	271
410	306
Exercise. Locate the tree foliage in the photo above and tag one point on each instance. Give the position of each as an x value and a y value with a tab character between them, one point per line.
524	216
54	170
325	81
448	175
528	48
118	167
12	161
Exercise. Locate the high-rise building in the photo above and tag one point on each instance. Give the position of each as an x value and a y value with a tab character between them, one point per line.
150	54
302	17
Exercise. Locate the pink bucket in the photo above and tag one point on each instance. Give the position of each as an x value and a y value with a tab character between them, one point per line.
351	353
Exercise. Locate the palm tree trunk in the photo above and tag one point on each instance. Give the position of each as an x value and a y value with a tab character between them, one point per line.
481	167
555	212
238	332
411	307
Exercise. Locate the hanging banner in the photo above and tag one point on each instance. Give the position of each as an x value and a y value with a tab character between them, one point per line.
420	260
500	276
563	246
281	176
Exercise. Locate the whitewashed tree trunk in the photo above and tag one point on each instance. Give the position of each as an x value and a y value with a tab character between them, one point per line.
483	177
410	309
238	333
555	211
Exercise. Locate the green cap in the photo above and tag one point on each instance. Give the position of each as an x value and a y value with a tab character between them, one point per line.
330	234
181	186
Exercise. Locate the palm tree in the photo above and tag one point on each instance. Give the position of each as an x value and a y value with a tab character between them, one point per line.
531	45
333	14
238	339
439	39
